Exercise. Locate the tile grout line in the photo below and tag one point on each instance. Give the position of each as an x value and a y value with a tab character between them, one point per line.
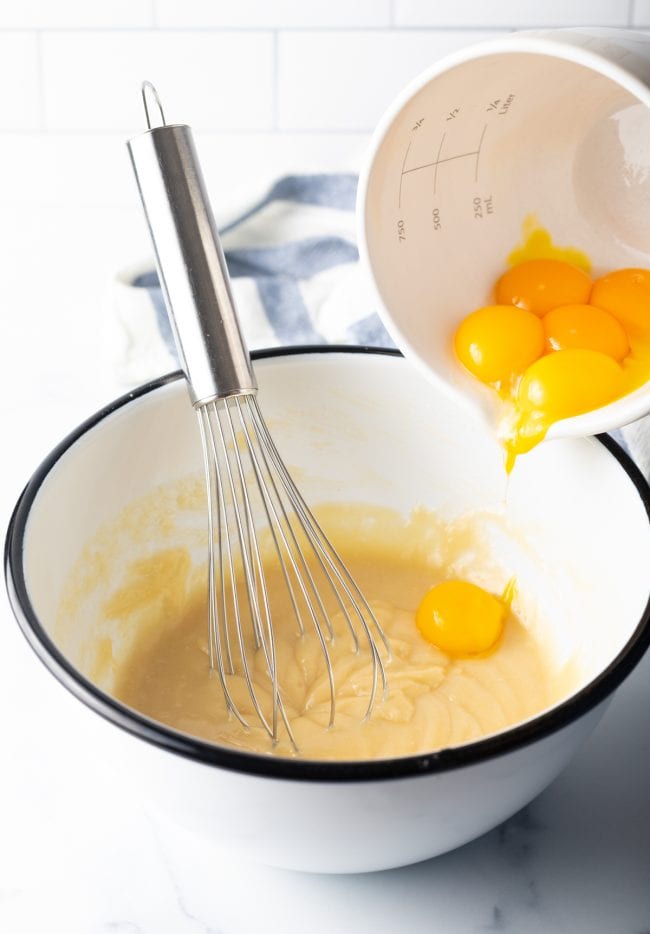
315	30
41	37
115	132
275	105
40	82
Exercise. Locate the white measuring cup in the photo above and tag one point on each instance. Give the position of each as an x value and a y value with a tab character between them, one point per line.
553	124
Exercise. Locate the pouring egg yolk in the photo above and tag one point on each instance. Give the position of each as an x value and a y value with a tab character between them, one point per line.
539	285
595	344
569	383
461	618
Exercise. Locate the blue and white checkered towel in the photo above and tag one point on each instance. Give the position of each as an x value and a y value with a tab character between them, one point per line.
296	279
295	275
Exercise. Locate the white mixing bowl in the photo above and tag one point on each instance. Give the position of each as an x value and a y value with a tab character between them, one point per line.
366	427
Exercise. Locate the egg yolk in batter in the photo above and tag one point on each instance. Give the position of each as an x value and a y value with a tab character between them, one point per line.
461	618
592	345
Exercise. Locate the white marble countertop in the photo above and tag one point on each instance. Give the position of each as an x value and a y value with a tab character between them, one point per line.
80	854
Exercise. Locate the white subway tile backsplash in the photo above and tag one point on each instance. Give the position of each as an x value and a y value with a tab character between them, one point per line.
94	169
641	13
19	100
211	80
512	13
66	169
273	13
344	80
76	14
271	86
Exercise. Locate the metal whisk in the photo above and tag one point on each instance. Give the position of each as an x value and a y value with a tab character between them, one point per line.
257	518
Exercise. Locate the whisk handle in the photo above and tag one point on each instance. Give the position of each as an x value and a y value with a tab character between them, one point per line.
191	264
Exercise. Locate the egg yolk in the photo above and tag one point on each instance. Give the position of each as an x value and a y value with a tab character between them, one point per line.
570	382
461	618
497	342
625	293
585	327
539	285
537	243
595	339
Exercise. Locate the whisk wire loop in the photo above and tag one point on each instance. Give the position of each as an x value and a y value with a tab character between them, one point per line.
256	589
250	492
323	548
228	582
280	526
216	611
244	563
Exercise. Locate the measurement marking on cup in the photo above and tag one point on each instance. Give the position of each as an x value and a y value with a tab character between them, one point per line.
482	207
478	153
435	173
406	155
437	162
475	153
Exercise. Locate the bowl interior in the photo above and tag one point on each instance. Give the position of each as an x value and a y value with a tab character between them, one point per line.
364	428
460	162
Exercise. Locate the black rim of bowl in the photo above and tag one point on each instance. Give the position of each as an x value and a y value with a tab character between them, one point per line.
166	738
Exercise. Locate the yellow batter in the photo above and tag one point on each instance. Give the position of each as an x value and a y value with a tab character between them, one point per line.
433	701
